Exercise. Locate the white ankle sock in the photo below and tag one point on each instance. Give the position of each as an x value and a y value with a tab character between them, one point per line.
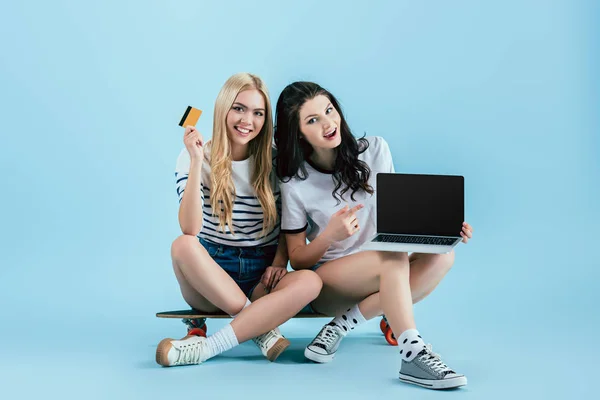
349	319
411	344
245	305
221	341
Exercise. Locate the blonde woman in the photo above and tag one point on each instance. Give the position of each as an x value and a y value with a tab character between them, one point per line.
229	257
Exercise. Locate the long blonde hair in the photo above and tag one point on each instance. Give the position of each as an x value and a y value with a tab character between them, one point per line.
223	190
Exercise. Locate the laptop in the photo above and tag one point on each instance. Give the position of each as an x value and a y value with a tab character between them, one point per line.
418	213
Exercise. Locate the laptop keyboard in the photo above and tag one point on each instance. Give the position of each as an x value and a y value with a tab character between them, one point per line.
438	241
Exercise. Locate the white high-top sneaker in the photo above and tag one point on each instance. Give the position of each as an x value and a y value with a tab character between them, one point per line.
272	344
189	350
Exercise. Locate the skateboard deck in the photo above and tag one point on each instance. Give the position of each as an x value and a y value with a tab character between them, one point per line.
195	314
196	321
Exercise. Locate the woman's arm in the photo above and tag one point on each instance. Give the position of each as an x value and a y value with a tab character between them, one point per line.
341	226
303	255
281	256
192	202
190	209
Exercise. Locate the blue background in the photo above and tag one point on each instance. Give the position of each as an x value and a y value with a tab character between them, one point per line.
505	93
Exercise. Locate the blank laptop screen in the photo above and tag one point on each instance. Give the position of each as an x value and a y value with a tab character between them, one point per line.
420	204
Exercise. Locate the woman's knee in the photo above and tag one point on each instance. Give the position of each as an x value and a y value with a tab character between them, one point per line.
309	283
183	246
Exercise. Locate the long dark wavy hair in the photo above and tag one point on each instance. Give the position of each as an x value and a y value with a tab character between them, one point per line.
349	173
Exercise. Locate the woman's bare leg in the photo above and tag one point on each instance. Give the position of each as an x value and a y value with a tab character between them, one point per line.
426	272
353	279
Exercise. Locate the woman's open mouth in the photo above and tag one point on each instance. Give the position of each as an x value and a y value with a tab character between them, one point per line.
243	131
331	134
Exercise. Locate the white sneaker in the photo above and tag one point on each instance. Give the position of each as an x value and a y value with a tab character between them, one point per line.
271	344
189	350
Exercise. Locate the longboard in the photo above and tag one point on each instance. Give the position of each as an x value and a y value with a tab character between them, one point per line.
196	320
191	314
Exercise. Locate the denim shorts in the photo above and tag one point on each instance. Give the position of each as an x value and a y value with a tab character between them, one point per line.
245	265
309	309
317	265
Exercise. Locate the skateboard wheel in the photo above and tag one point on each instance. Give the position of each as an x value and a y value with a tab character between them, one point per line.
389	336
197	332
383	325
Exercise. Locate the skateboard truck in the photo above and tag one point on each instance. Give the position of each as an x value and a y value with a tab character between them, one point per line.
196	326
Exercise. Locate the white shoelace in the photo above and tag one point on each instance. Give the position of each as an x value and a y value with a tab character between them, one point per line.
327	336
263	339
189	353
434	361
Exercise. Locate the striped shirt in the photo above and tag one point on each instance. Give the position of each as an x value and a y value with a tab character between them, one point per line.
247	212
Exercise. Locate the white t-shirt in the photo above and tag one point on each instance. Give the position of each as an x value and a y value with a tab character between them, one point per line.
309	204
247	212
